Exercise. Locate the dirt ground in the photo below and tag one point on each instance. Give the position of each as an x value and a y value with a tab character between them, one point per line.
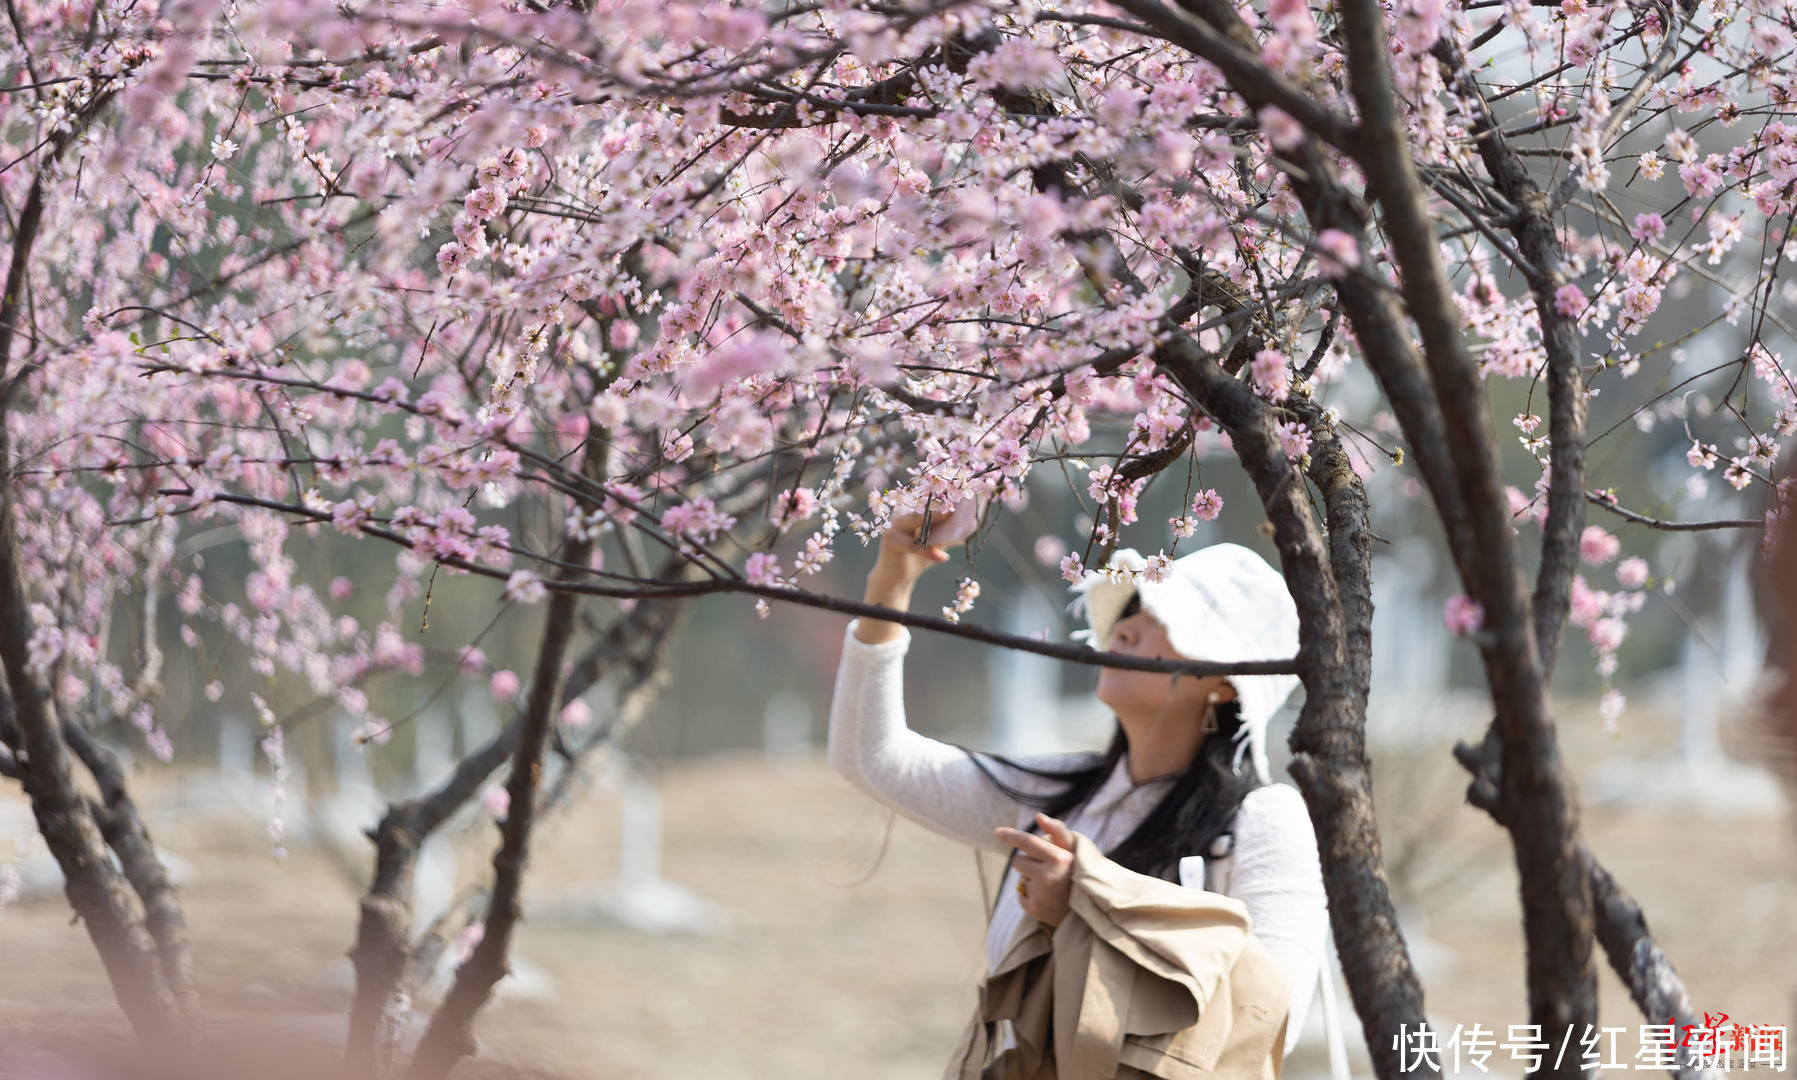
849	951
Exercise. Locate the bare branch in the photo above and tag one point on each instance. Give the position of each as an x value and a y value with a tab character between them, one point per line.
1598	498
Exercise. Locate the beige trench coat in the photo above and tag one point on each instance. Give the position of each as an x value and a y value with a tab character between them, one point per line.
1142	978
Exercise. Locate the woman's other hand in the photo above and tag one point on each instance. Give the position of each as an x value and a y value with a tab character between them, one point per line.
1044	866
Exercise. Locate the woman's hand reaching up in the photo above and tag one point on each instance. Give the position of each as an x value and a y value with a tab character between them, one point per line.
903	560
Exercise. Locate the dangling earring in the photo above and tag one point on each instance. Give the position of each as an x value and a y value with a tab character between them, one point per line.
1210	717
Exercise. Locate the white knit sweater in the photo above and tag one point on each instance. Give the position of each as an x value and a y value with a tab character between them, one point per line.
1275	871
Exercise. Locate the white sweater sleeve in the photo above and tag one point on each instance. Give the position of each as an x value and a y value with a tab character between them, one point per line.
1279	878
931	782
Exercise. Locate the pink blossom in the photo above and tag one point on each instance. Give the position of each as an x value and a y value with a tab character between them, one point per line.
524	587
1462	615
1272	375
504	684
485	203
1610	707
622	334
475	931
1338	253
1569	300
1010	457
1597	547
471	660
1607	634
497	800
608	410
1631	573
452	257
1420	24
1158	568
1587	603
762	568
1285	12
1738	473
698	519
1072	569
1294	437
1049	549
341	587
577	713
1207	504
1648	227
740	27
1281	128
1098	483
793	506
622	501
1701	179
742	358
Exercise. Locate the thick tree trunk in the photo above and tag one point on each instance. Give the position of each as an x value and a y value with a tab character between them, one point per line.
1330	579
450	1036
95	890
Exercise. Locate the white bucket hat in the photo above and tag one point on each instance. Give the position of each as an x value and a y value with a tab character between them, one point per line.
1221	603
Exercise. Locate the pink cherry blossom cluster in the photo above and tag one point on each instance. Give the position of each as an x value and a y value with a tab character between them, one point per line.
414	280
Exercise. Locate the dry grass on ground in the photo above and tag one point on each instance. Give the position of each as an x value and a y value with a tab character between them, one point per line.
833	966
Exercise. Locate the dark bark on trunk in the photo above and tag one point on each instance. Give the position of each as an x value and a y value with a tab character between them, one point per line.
1330	581
122	826
95	890
384	956
1335	654
1653	983
1534	787
450	1036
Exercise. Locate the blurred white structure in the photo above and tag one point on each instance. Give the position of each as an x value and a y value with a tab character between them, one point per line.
786	725
40	876
1026	711
477	719
1718	675
434	874
342	818
639	897
1411	698
234	787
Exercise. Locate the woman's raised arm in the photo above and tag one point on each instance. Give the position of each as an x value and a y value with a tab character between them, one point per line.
932	782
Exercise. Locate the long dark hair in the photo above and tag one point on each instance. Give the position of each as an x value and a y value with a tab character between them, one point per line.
1196	810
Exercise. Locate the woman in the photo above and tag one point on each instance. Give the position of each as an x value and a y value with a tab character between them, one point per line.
1171	787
